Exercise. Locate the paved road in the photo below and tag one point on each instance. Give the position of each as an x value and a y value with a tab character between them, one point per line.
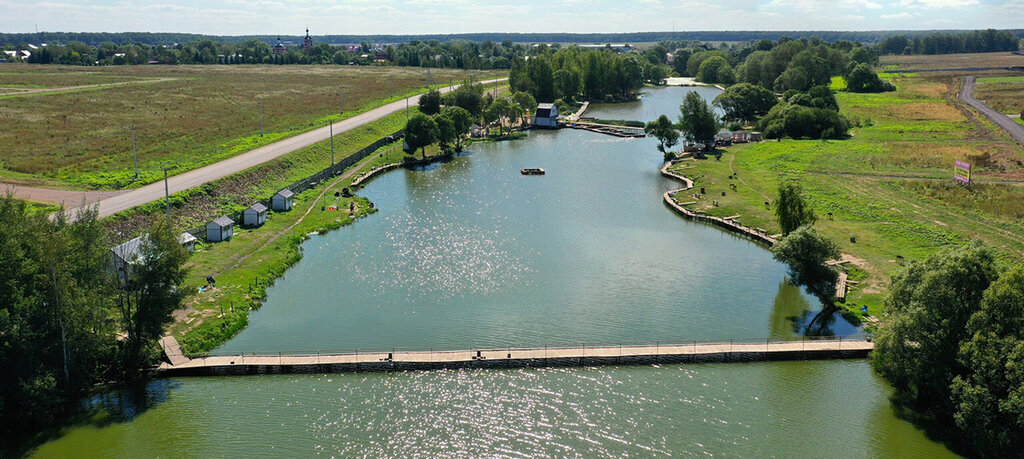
68	197
181	182
1015	129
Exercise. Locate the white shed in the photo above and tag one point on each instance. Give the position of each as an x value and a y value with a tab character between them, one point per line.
255	215
545	116
188	241
282	200
220	229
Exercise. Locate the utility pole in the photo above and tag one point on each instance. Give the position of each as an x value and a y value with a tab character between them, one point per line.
332	145
341	101
167	195
391	85
428	78
135	154
407	109
261	118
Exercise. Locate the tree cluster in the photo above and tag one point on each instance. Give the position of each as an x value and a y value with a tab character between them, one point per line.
812	115
953	347
67	321
593	74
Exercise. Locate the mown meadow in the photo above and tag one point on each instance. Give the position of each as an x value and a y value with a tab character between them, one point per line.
886	194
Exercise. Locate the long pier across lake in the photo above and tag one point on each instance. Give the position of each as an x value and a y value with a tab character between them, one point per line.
559	356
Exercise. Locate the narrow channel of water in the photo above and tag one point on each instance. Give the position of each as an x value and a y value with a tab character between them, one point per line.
471	253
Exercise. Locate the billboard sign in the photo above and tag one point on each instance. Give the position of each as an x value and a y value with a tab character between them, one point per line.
962	173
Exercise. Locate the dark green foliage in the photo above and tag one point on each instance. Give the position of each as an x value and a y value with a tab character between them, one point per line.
461	121
150	293
679	59
469	96
58	318
791	209
812	115
420	132
716	69
745	102
988	397
446	133
430	102
978	41
663	130
697	120
863	79
805	251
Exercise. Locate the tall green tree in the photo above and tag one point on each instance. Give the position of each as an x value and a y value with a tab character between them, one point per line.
805	251
745	102
461	121
420	132
150	292
446	134
430	102
791	209
988	397
663	130
697	120
929	307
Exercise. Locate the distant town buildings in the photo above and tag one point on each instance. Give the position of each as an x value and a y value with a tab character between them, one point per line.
279	48
307	42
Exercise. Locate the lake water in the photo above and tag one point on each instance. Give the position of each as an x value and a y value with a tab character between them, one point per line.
471	253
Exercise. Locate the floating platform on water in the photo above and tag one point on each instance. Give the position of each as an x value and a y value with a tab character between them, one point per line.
561	356
532	171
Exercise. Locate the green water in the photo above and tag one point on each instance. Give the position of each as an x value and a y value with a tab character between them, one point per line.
471	253
787	409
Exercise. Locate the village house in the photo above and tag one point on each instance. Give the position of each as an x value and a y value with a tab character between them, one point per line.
282	200
545	116
220	229
255	215
125	255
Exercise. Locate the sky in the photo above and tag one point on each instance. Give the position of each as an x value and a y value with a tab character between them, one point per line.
400	17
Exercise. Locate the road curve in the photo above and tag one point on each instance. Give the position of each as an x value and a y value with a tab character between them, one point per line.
196	177
1015	129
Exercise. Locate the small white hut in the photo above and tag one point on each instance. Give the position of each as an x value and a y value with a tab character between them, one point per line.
255	215
546	115
221	229
282	200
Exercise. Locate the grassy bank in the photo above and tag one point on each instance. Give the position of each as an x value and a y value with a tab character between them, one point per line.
206	114
888	188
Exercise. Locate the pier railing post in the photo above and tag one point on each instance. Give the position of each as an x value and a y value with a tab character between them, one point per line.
278	359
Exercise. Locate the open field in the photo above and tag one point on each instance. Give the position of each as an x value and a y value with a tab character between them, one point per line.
951	61
1005	94
81	139
888	188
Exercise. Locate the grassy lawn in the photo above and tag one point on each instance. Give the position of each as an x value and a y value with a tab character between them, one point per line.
81	138
888	188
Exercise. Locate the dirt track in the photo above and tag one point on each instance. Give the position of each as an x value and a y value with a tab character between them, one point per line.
1015	129
119	201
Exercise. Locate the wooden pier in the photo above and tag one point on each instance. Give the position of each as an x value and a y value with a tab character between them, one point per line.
561	356
609	129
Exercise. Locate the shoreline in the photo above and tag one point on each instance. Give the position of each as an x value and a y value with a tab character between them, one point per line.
724	223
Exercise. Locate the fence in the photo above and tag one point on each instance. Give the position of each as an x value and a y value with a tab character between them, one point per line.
306	183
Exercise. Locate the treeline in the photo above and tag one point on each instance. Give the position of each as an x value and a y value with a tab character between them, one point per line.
978	41
454	54
67	319
158	38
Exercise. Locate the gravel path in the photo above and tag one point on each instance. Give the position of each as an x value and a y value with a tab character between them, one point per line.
1015	129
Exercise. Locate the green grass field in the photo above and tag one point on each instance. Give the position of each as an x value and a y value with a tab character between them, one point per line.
81	139
888	187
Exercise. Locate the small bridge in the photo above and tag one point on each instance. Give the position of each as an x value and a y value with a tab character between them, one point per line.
398	359
609	129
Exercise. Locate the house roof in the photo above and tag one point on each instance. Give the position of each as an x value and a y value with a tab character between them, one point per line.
545	106
129	251
258	207
286	193
223	221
